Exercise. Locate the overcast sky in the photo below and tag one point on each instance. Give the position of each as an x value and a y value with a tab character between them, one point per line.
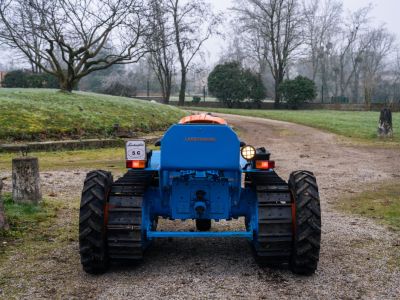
384	12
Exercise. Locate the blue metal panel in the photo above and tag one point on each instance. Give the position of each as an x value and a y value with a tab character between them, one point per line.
186	234
199	158
243	162
216	202
154	162
200	147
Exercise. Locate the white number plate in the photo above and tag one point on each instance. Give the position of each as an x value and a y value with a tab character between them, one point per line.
135	150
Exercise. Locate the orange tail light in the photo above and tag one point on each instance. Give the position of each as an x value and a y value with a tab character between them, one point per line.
265	164
136	164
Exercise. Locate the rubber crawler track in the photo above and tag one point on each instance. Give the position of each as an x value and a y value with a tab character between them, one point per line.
275	229
124	229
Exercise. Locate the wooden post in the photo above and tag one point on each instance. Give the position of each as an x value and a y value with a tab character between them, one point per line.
385	127
3	221
26	180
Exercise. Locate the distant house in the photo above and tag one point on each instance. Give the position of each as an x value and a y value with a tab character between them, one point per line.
2	75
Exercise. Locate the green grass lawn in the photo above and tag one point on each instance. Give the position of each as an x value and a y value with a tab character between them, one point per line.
35	232
22	218
354	124
40	114
112	159
381	203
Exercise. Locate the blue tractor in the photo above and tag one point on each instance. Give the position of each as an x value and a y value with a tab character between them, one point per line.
202	172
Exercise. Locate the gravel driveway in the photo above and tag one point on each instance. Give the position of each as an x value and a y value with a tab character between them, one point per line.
356	254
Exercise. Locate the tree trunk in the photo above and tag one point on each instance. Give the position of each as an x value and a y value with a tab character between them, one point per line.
3	221
163	92
26	180
182	91
67	85
385	127
356	86
277	93
167	93
368	96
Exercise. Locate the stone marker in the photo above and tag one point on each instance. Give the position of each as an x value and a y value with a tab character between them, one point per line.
385	127
3	222
26	180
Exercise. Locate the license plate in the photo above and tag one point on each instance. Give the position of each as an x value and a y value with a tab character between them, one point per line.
135	150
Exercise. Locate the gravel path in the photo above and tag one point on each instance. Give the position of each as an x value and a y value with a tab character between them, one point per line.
356	254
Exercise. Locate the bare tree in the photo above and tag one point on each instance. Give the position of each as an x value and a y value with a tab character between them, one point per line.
161	47
235	50
387	87
277	24
193	23
393	83
348	49
321	21
34	40
342	53
380	45
337	46
66	37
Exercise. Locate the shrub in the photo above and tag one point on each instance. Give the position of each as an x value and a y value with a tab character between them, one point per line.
231	84
298	90
256	91
14	79
196	99
22	79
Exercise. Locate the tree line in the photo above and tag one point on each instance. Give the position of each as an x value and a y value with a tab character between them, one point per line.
347	57
71	39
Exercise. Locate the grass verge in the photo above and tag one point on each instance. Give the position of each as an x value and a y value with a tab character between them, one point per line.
112	159
24	217
41	114
360	125
381	203
27	247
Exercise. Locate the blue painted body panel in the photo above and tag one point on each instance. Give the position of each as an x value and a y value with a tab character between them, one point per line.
200	177
200	147
216	201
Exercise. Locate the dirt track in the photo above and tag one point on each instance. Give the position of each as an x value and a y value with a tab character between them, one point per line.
356	254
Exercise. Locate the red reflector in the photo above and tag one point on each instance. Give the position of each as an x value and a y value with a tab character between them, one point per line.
265	164
135	164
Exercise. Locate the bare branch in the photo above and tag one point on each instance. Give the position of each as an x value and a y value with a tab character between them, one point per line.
67	38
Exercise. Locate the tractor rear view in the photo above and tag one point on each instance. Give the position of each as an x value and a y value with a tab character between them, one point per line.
202	172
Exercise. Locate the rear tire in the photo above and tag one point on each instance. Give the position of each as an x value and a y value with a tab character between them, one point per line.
307	224
203	224
92	223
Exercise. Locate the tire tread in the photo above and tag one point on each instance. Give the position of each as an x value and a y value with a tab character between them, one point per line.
307	238
92	231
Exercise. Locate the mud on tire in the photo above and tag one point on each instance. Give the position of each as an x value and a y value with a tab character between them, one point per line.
92	226
307	229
